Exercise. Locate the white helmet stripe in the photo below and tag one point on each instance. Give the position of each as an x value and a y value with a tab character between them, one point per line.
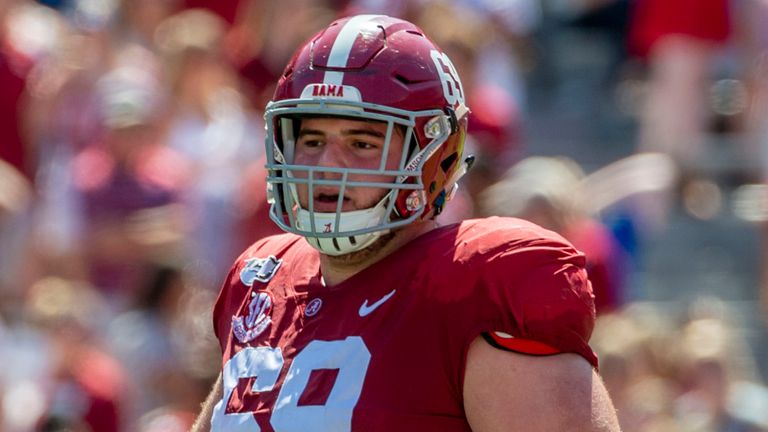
342	46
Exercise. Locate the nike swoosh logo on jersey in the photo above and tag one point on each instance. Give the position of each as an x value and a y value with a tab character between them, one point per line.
365	310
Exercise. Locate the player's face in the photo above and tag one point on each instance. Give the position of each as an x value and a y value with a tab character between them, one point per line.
344	143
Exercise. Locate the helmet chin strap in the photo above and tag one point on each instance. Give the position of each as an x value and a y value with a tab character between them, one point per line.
348	221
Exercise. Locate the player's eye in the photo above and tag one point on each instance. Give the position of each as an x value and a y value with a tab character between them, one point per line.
310	142
365	145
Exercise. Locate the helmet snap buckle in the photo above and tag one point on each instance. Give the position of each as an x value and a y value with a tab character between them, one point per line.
414	201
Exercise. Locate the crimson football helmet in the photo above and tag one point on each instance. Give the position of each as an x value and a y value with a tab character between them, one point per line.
373	68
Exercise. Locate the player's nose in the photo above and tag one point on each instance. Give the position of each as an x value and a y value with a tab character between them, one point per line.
332	157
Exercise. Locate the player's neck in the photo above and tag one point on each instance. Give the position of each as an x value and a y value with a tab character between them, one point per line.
336	270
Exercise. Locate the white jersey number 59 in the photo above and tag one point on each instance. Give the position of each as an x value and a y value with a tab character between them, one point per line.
350	356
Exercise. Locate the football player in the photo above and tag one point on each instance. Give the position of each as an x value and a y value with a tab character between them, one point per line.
367	315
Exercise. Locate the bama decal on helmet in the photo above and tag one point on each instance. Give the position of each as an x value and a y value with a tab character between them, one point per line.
452	88
334	91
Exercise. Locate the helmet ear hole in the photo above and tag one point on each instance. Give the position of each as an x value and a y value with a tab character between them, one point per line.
448	162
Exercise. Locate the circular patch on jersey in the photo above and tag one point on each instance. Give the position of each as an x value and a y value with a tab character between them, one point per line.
313	307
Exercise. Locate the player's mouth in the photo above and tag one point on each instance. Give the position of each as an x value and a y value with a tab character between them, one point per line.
328	203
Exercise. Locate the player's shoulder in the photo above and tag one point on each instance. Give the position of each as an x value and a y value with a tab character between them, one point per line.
504	229
477	250
496	238
520	279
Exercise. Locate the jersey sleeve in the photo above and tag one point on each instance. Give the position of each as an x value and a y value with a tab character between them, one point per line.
539	300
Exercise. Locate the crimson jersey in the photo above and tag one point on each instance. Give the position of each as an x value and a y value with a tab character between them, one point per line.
386	349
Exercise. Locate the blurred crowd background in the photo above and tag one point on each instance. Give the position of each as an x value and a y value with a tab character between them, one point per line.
131	175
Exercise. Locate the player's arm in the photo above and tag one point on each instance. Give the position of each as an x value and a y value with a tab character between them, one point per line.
203	422
507	391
